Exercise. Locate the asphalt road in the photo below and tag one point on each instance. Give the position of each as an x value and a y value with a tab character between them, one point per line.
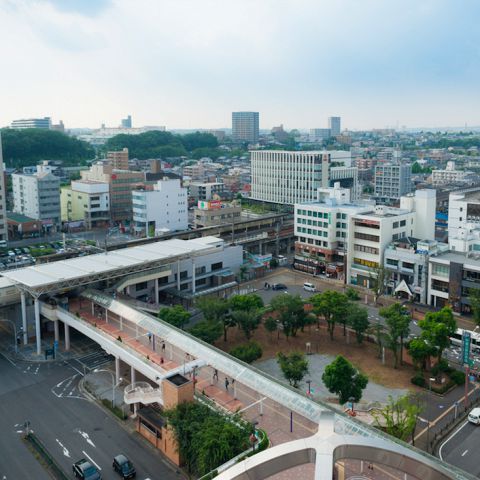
70	426
462	448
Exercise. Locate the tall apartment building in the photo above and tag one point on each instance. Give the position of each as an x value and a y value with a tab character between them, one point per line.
294	177
45	123
392	181
38	197
245	126
464	220
334	124
127	122
118	159
3	198
449	175
121	183
163	208
206	190
86	201
319	134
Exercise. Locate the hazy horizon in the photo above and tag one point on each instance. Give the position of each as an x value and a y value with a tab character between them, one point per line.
187	64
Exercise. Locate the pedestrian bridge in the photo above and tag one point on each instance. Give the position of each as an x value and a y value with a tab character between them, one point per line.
338	436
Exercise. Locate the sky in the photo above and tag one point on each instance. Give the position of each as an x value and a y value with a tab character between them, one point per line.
190	63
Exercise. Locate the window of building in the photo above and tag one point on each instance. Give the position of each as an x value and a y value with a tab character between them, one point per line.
440	270
216	266
403	223
141	286
391	261
395	224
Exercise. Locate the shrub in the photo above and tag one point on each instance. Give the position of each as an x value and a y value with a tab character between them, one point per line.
441	366
418	380
352	294
444	388
247	352
457	377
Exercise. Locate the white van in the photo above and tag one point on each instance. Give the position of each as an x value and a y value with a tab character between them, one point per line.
474	416
309	287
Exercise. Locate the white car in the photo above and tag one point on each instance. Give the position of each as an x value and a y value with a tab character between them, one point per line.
309	287
474	416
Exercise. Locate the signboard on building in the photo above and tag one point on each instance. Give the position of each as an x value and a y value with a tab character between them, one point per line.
211	205
466	344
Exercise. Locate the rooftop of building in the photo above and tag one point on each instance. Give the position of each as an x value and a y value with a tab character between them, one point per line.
19	218
329	205
469	258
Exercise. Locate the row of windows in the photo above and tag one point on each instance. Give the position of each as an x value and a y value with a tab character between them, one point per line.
318	243
366	236
366	263
363	248
312	232
402	223
311	213
315	223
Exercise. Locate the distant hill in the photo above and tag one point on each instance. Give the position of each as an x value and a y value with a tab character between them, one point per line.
28	146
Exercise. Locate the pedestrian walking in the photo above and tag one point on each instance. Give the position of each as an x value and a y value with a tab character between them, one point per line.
149	335
227	383
215	374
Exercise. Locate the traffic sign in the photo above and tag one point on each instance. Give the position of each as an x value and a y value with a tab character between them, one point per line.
466	345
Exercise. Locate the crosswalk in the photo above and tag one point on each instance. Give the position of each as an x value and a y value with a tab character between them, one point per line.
91	361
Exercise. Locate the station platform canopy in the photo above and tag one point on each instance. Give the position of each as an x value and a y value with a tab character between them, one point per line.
71	273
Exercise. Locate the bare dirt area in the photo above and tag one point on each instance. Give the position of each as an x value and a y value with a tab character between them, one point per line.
364	356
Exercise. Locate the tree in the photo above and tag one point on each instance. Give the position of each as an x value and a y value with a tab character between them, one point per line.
333	307
250	301
291	313
474	298
207	330
247	352
294	367
352	294
270	325
378	282
399	417
397	321
246	320
358	319
420	351
343	379
216	310
437	328
379	331
176	316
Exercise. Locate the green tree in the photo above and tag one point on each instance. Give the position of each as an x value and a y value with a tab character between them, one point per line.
420	351
246	320
379	332
358	319
397	321
291	313
176	316
474	298
247	352
216	310
437	328
352	294
399	417
333	306
207	330
378	280
344	380
245	302
271	325
294	367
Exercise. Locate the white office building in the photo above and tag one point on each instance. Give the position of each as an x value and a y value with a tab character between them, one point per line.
45	123
37	196
165	208
449	175
392	180
294	177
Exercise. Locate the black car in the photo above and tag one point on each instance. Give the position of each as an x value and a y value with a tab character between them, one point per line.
279	286
85	470
124	467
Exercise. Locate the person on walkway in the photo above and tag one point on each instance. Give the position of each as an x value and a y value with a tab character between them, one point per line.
215	374
149	335
227	383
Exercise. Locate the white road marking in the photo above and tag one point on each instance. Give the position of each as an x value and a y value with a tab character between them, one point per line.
464	453
90	458
86	436
77	370
65	451
449	438
20	431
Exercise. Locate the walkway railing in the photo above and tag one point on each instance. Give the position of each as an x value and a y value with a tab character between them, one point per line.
142	392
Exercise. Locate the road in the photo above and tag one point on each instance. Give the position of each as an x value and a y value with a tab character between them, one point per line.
462	448
70	426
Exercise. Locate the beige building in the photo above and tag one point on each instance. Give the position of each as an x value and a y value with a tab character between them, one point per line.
121	183
119	159
209	214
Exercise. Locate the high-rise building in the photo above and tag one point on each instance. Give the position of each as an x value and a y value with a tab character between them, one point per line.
392	180
164	207
245	126
127	122
334	124
45	122
118	160
319	134
3	205
292	177
37	196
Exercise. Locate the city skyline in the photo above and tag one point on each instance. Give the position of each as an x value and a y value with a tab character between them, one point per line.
189	65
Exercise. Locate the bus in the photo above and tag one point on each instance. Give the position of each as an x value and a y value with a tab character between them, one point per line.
457	338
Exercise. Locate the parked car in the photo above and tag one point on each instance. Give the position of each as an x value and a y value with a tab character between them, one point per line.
85	470
26	250
124	467
309	287
279	286
474	416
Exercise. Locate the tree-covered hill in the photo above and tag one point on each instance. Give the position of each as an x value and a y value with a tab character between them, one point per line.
29	146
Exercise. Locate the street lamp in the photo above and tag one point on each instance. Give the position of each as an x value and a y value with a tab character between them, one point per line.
114	385
14	332
428	420
309	382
